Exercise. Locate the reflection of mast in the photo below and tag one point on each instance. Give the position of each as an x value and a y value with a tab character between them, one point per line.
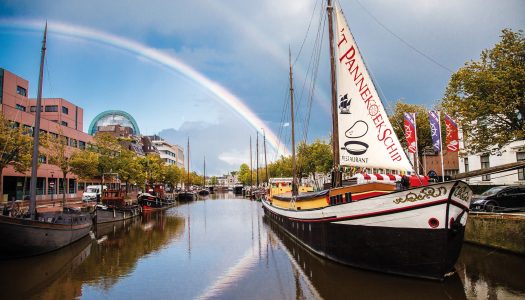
189	232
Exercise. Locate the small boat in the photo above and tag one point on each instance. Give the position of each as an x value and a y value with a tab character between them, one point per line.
203	192
186	196
27	233
377	225
150	202
115	208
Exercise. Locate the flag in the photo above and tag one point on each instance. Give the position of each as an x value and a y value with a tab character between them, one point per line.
410	131
435	130
452	139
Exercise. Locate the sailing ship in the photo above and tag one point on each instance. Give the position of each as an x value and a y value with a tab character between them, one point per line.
375	225
31	233
187	194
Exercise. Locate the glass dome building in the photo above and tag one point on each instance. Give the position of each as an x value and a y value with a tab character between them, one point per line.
113	117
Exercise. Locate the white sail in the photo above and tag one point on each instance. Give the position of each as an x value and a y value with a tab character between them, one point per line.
366	136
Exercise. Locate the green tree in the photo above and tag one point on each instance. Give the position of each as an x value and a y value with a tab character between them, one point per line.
154	169
487	97
84	163
108	147
128	167
281	167
316	157
244	174
58	153
214	180
15	149
173	175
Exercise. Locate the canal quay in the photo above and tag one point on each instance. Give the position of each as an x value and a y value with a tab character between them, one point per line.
223	247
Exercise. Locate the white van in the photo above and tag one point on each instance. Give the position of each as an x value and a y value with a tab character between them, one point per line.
91	192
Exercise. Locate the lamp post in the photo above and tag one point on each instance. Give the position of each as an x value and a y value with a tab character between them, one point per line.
52	184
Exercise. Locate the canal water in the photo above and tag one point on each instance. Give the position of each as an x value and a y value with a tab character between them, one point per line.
223	248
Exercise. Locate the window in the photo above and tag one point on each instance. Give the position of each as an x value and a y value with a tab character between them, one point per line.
82	145
51	108
33	108
73	143
20	107
21	91
520	156
63	123
42	159
484	165
466	164
65	110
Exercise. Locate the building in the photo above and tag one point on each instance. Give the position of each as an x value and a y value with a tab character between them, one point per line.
169	153
512	152
59	117
432	163
114	121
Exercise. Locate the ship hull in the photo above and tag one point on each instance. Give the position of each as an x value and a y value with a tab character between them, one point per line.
116	214
420	238
24	237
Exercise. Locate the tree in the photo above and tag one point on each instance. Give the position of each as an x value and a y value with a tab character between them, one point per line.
214	180
281	167
487	97
58	153
154	168
108	147
84	163
15	149
244	174
173	175
128	167
316	157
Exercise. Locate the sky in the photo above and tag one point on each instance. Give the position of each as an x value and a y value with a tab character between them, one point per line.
217	71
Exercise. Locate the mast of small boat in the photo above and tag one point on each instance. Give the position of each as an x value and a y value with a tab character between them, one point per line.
251	165
336	173
257	159
187	188
265	162
294	170
36	132
204	171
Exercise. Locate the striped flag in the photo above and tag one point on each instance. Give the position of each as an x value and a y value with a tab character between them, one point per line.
435	130
410	131
452	138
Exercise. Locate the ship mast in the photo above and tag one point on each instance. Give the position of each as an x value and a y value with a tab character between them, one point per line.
294	168
336	173
36	132
187	188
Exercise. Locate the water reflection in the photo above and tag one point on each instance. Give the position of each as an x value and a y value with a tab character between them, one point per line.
222	247
335	281
27	278
491	274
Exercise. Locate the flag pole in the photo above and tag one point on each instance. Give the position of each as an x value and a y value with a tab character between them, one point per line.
416	155
441	145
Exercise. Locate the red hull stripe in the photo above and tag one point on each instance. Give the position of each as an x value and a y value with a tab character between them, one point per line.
380	213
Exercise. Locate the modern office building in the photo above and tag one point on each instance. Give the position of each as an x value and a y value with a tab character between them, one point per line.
169	153
59	117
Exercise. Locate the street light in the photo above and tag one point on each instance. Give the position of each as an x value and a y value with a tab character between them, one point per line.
52	184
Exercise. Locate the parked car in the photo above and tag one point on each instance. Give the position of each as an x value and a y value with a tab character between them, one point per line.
499	198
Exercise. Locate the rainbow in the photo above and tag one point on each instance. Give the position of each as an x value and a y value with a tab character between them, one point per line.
164	59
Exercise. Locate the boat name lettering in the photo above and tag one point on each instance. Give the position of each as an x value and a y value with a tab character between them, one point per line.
463	193
424	193
384	133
